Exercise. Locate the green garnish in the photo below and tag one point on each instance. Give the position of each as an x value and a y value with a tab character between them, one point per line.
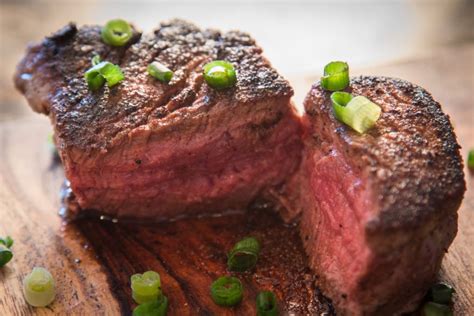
266	304
470	159
101	73
433	309
116	32
441	293
157	307
95	60
227	291
7	241
38	287
220	74
146	287
358	112
336	76
160	72
244	255
5	255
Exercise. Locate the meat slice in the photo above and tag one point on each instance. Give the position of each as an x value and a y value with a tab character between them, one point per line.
149	150
379	209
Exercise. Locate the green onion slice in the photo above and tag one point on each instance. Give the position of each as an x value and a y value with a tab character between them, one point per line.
336	76
160	72
116	32
7	241
227	291
434	309
442	293
101	73
146	287
220	74
470	159
95	60
5	255
358	112
38	287
244	255
157	307
266	304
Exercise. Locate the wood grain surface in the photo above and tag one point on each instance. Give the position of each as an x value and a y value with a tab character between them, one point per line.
92	260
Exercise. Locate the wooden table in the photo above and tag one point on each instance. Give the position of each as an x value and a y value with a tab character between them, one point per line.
93	260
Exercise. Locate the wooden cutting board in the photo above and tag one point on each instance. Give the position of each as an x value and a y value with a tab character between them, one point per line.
92	260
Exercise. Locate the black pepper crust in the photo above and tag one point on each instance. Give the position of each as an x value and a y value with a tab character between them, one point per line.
411	157
51	77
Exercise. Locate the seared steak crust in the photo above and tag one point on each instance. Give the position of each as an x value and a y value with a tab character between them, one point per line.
411	156
383	207
94	120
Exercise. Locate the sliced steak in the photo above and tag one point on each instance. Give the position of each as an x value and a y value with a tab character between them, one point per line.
379	209
146	149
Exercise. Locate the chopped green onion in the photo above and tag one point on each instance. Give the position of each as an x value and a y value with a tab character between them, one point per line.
433	309
101	73
38	287
470	159
336	76
157	307
95	60
227	291
5	255
244	255
146	287
358	112
7	241
220	74
266	304
441	293
116	32
160	72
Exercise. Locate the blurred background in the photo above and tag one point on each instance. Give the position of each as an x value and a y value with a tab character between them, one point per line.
299	37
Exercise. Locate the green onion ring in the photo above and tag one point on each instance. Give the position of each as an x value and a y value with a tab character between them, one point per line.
157	307
244	255
101	73
266	304
39	288
220	74
227	291
146	287
159	71
116	32
5	255
95	60
357	112
441	293
336	76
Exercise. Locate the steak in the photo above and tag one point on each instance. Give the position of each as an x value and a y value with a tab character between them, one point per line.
379	209
150	150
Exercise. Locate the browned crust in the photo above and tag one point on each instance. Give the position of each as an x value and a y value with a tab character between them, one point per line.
51	77
411	156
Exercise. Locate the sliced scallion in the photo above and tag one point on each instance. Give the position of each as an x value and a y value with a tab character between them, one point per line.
220	74
244	255
7	241
146	287
95	60
116	32
159	71
441	293
227	291
358	112
470	159
434	309
5	255
336	76
38	287
266	304
101	73
157	307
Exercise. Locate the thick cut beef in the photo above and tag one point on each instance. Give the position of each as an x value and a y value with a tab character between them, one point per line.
379	209
146	149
